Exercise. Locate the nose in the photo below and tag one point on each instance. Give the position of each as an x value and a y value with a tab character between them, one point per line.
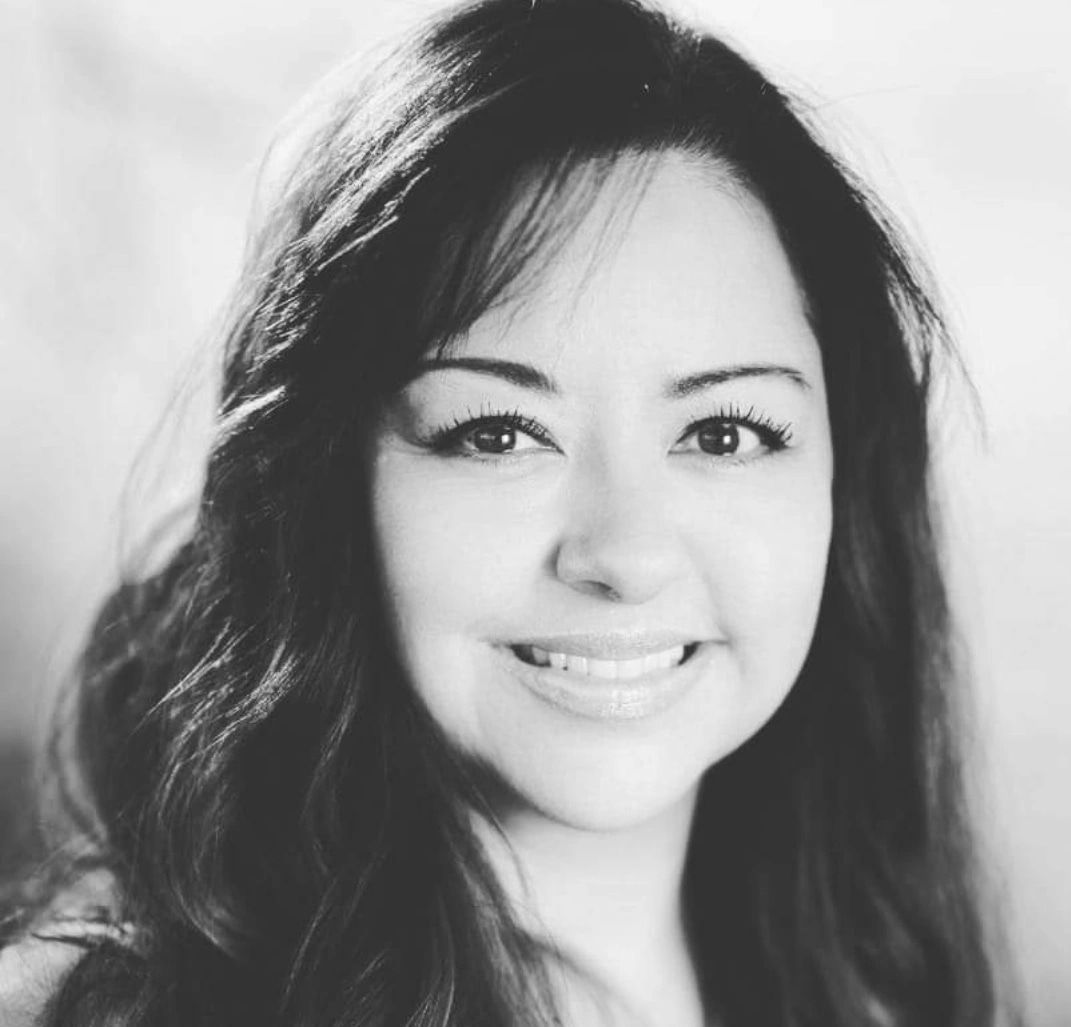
620	542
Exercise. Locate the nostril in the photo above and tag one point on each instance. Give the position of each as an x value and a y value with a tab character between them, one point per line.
618	561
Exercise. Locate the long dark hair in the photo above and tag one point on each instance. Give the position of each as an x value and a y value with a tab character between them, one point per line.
285	826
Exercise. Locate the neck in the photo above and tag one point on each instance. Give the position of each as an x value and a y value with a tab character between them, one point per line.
610	901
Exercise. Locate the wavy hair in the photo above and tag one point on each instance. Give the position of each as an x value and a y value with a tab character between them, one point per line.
286	827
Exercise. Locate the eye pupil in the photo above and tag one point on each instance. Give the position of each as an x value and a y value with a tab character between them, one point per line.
494	438
719	438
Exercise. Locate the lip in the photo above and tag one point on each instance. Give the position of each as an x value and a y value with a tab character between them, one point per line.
610	645
610	700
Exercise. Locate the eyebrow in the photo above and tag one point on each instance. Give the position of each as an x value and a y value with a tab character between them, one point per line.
528	377
524	375
704	380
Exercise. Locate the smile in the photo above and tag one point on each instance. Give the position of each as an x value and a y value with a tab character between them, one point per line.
609	677
605	669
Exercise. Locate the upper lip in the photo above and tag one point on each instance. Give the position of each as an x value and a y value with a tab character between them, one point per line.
610	645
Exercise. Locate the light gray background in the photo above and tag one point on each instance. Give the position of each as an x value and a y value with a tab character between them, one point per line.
132	135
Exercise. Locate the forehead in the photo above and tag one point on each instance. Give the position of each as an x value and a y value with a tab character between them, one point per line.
674	269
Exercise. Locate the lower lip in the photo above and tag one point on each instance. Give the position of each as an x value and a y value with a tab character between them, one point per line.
602	699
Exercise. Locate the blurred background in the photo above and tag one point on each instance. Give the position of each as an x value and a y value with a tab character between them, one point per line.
133	137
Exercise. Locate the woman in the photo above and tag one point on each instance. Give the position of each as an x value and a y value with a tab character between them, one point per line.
562	637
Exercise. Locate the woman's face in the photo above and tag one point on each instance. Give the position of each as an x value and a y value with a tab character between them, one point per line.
603	521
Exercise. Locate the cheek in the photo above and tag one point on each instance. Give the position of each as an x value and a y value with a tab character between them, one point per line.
451	555
766	573
455	560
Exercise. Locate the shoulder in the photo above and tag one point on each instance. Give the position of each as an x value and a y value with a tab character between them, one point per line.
34	964
31	970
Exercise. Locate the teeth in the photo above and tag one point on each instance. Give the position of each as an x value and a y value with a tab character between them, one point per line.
607	669
577	664
602	669
656	661
540	657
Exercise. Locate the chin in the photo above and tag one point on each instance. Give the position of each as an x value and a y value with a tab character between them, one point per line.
613	807
604	784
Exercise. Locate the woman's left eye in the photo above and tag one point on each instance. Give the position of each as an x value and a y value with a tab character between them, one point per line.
736	437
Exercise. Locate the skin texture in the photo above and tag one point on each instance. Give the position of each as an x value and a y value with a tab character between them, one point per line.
620	522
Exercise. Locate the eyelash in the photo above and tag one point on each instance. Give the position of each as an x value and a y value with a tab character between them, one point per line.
774	435
445	440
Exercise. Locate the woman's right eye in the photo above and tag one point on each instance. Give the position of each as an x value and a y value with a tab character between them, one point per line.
494	439
492	435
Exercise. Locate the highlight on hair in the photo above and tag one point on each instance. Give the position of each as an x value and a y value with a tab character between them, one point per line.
286	828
